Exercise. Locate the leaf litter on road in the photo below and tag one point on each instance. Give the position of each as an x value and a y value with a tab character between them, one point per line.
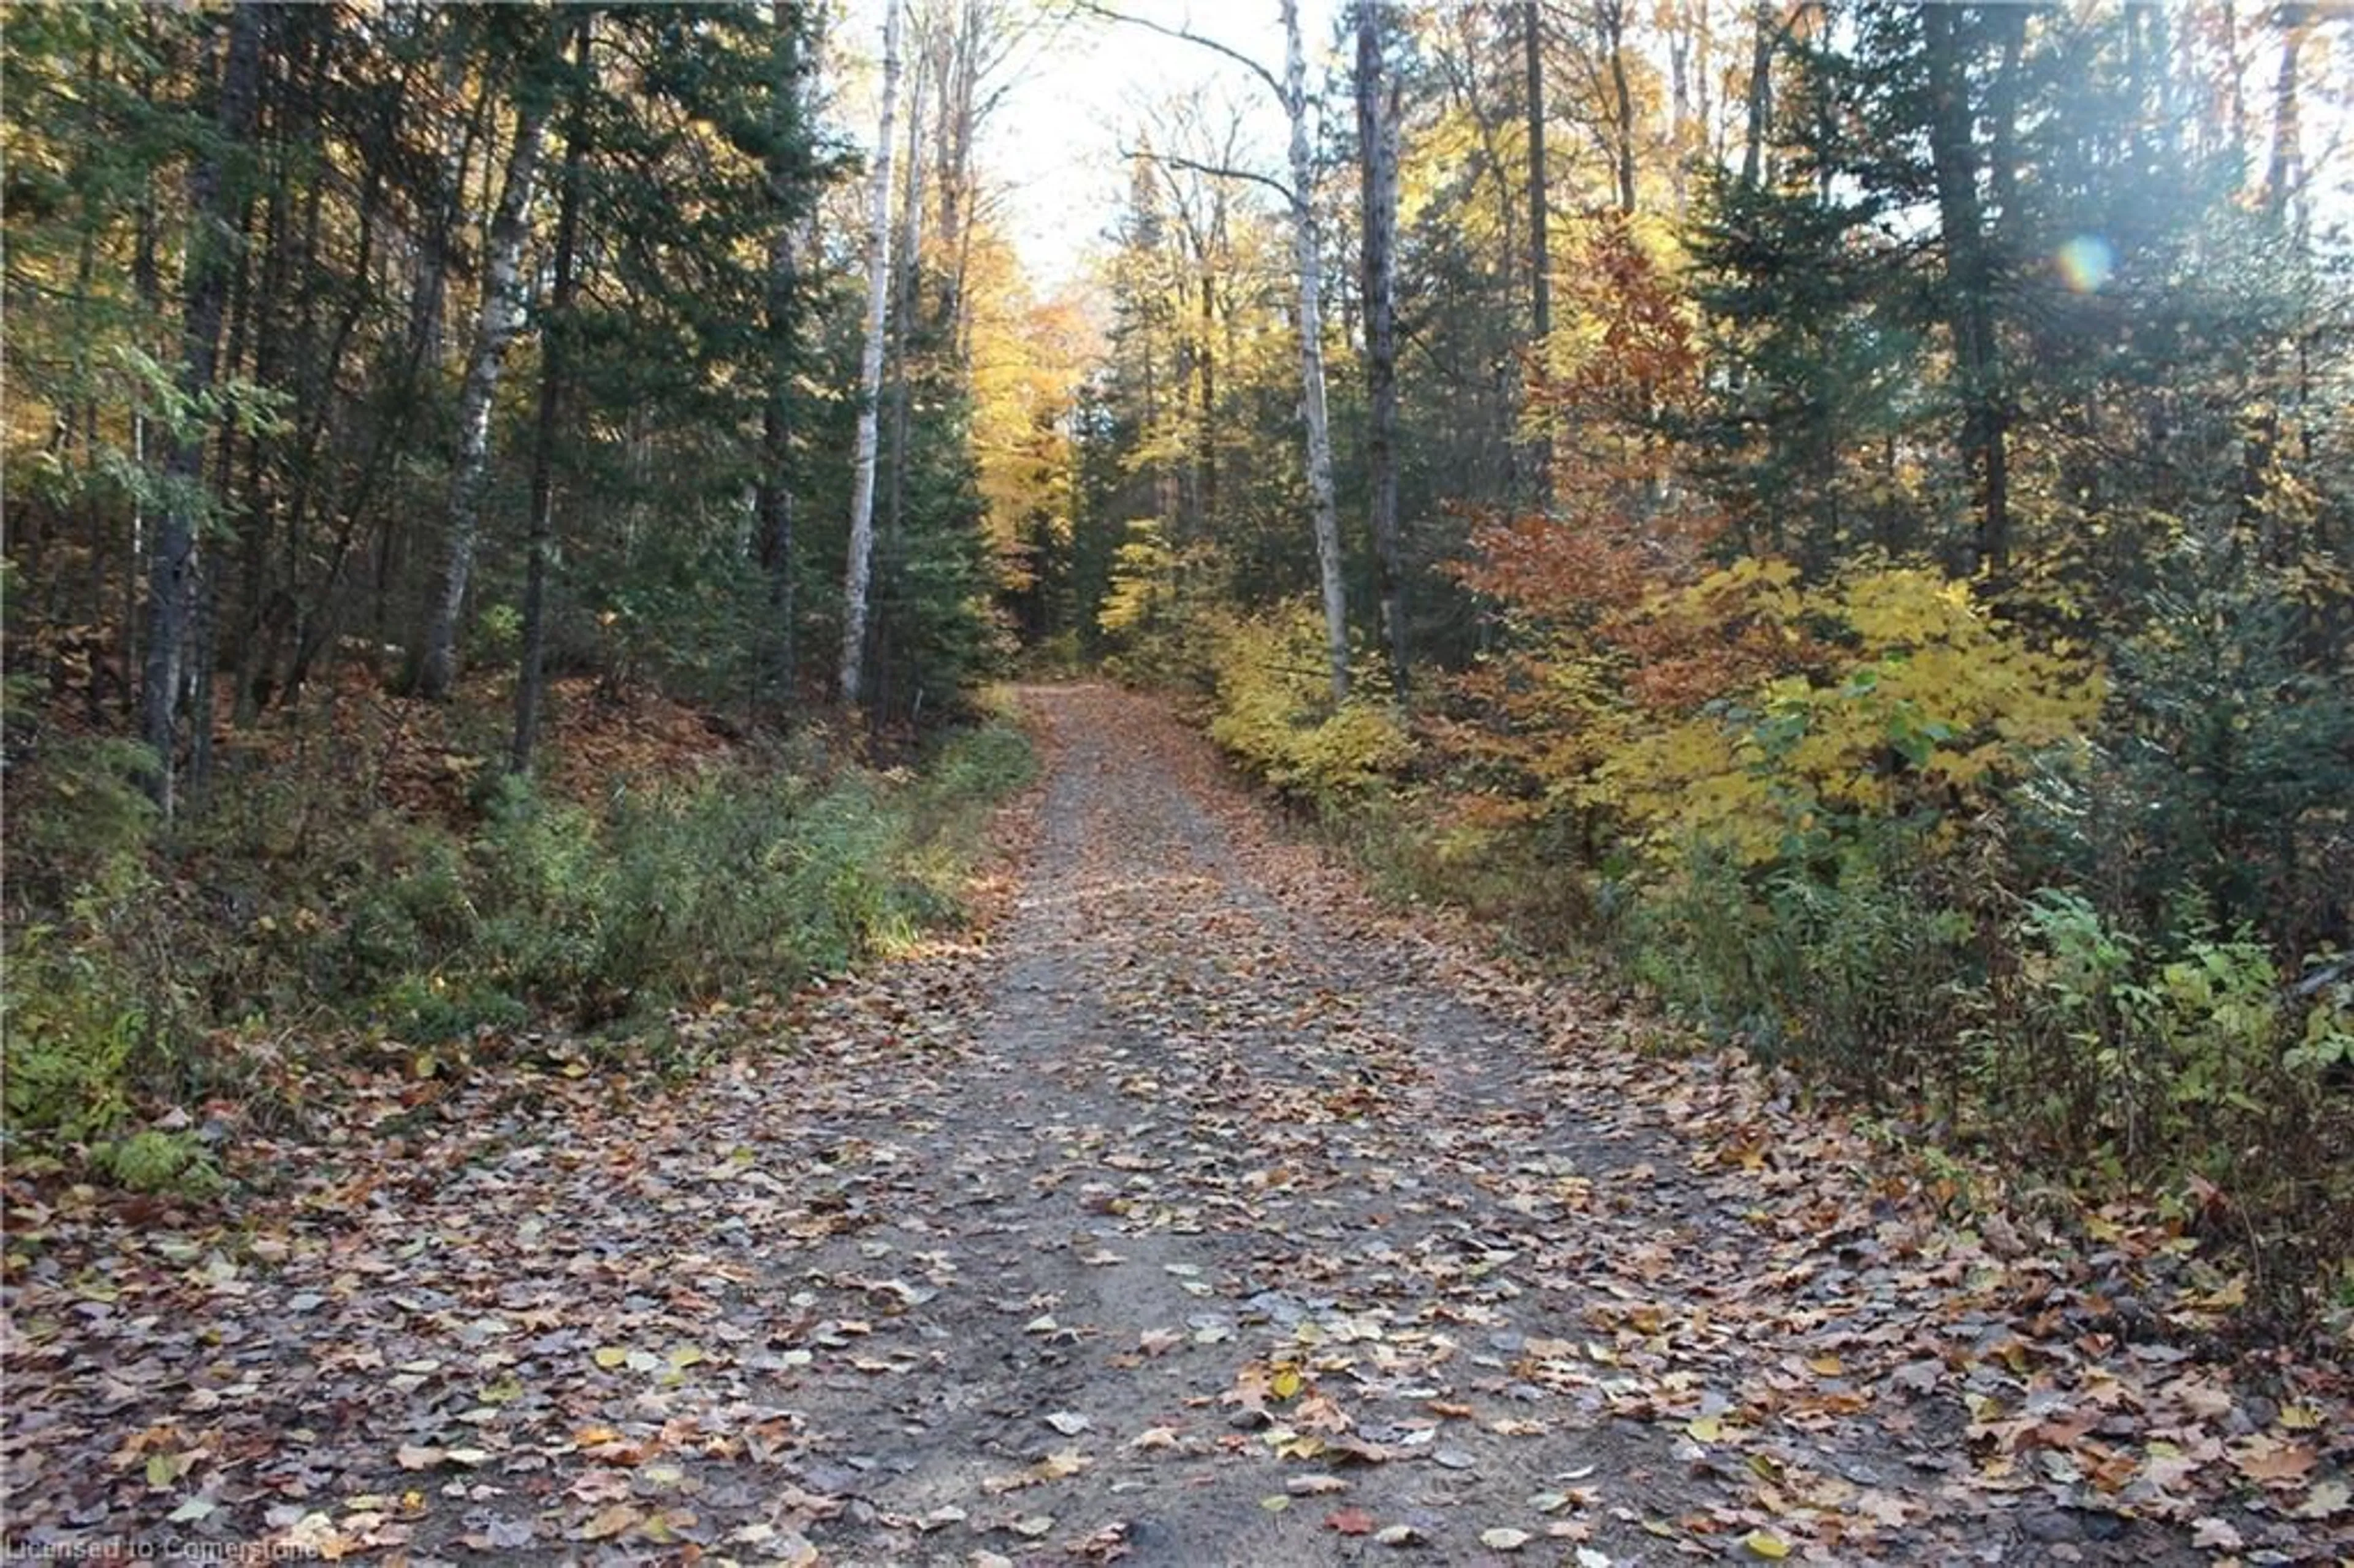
1195	1186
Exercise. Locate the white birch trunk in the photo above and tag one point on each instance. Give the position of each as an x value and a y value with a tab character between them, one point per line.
501	312
870	375
1326	514
1377	137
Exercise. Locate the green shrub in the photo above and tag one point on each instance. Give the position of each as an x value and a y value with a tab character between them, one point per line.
157	1161
978	765
1850	962
544	890
406	908
95	999
426	1010
2166	1058
749	878
73	1030
78	823
2219	787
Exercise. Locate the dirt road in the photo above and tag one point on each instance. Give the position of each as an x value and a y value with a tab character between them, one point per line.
1201	1216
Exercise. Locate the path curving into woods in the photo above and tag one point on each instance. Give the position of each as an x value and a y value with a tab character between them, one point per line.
1203	1214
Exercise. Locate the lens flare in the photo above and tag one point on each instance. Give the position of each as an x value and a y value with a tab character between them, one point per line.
2086	262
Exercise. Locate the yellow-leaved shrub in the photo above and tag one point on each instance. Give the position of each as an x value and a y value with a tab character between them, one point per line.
1907	697
1275	714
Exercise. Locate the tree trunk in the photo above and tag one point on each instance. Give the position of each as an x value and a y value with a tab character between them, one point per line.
959	82
1612	15
775	492
1377	140
890	549
1681	68
555	355
1327	520
861	562
1540	217
212	567
1761	95
902	323
502	313
1969	281
1207	326
173	571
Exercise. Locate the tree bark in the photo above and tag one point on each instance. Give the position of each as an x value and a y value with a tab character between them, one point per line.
212	566
859	567
1761	94
960	82
1377	140
502	313
1612	16
775	494
554	356
1970	280
1539	225
1539	199
173	569
1325	513
898	349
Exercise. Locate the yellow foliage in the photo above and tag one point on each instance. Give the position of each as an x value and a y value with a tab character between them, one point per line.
1143	579
1916	699
1275	714
1028	357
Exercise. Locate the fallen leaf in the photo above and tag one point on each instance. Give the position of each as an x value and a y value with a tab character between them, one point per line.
608	1522
1503	1538
2325	1501
2269	1461
2212	1535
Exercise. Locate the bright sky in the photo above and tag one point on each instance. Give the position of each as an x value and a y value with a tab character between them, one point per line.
1050	152
1052	148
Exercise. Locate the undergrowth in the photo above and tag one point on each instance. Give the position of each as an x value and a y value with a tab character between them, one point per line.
148	967
1978	950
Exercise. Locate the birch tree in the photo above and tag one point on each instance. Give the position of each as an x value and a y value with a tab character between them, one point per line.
1299	200
860	567
495	330
1377	142
1325	513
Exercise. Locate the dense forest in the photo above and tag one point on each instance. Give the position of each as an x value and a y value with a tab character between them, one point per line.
1844	507
1840	511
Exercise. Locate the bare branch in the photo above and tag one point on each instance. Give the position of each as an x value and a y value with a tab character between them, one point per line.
1274	85
1216	171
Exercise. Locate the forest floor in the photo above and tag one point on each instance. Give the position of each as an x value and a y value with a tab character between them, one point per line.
1196	1211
